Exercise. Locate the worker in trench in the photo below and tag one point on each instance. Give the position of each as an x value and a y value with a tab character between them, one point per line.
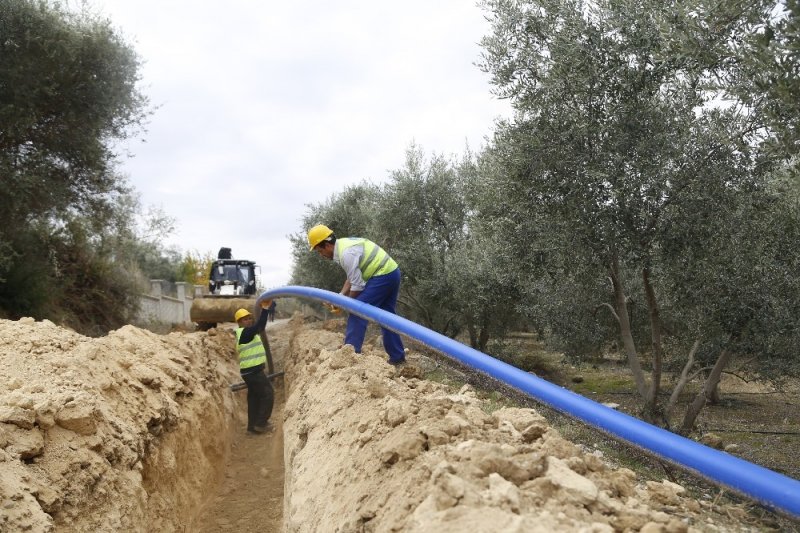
252	361
373	277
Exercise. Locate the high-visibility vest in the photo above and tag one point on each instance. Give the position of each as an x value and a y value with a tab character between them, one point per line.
250	354
374	262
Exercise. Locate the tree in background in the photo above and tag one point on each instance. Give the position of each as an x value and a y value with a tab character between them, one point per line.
738	293
480	270
421	219
618	146
67	90
195	267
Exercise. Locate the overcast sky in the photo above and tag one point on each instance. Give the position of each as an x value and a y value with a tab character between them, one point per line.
264	107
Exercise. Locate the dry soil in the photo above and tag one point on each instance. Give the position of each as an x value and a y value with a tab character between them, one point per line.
139	432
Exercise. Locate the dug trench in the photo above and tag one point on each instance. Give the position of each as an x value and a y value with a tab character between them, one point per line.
140	432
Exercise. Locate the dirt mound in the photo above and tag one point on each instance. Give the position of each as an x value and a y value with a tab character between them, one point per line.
370	450
132	432
109	434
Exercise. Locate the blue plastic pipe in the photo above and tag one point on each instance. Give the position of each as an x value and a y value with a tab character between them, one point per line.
771	489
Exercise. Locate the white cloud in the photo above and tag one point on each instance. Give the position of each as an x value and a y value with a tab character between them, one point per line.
264	107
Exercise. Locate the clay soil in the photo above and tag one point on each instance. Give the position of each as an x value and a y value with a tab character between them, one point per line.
139	432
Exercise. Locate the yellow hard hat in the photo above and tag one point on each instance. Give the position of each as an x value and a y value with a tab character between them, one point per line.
241	313
317	234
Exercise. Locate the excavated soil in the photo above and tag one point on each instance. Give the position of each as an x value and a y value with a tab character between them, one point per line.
139	432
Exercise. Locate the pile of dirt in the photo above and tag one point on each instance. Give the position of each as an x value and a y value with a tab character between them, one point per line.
119	433
133	431
369	448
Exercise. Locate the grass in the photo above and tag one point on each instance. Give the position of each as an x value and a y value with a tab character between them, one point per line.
440	375
494	400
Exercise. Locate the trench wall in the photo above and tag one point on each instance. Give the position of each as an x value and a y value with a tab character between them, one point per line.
128	432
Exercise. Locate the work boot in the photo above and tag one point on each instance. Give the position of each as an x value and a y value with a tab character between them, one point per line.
266	428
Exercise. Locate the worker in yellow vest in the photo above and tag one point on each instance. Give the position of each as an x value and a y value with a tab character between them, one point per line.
373	277
252	361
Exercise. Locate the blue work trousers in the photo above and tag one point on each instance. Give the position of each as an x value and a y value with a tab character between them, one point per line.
382	292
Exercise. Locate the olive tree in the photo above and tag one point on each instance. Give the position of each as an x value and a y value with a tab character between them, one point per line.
615	143
421	217
67	91
738	293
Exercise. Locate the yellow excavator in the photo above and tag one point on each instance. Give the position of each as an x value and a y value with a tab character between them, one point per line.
231	286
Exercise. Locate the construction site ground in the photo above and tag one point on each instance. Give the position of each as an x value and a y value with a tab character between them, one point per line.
136	431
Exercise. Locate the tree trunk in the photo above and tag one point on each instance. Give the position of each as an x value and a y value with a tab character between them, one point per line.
705	393
623	318
714	398
684	379
483	338
421	311
655	331
473	335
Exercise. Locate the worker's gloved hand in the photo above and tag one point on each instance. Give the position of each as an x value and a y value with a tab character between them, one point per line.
265	304
332	308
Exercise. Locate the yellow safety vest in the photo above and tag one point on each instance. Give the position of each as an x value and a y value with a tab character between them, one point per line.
374	262
250	354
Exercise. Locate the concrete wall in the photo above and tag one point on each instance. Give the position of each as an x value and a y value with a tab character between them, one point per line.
167	309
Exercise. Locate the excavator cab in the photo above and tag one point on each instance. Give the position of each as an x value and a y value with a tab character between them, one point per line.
231	286
231	277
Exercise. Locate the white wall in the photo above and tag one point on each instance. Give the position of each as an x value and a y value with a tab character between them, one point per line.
158	307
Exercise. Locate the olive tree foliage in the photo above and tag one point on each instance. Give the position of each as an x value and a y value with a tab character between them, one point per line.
617	147
483	272
67	90
421	219
766	64
739	296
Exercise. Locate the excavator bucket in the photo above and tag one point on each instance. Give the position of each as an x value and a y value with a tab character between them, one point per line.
208	311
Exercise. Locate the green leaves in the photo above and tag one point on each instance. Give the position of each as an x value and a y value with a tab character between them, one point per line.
623	147
67	90
67	87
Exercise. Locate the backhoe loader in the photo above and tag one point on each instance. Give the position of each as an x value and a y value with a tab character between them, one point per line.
231	286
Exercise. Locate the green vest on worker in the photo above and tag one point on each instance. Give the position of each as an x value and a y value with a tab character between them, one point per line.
374	262
250	354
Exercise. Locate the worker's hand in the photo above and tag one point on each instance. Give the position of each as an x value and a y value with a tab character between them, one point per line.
332	308
265	304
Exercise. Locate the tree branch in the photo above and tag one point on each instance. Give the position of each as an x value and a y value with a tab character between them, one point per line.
676	392
610	308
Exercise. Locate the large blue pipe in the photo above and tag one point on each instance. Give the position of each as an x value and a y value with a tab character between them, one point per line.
771	489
